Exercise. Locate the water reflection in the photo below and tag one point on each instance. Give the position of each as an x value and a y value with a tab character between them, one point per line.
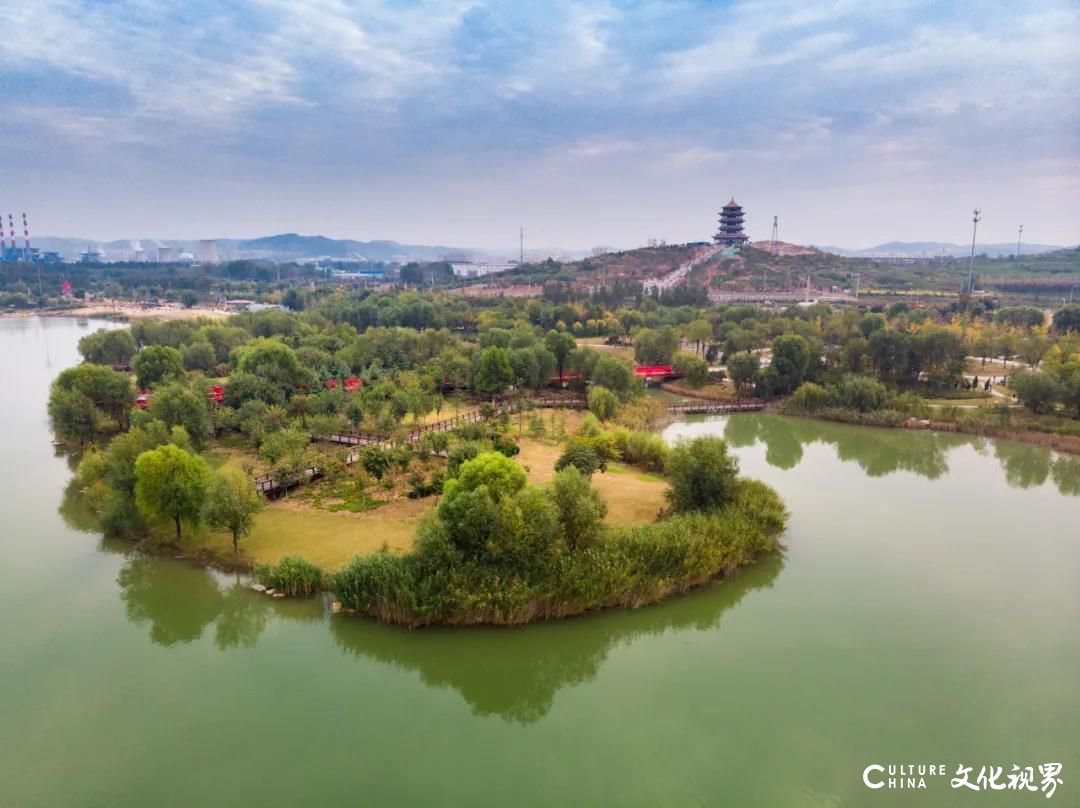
178	602
515	673
1025	466
880	452
1066	472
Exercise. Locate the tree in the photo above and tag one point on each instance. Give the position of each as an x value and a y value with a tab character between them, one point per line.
1070	392
282	448
103	394
157	363
615	375
199	355
692	367
232	503
492	372
790	360
699	332
1067	319
1033	348
179	405
73	416
579	507
703	475
274	363
1026	317
376	461
742	368
108	347
561	344
1036	391
171	483
602	402
471	507
890	354
655	347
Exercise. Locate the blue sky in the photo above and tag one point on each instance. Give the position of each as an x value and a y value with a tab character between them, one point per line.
591	123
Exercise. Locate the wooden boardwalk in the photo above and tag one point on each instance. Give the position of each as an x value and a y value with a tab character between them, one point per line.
271	486
703	407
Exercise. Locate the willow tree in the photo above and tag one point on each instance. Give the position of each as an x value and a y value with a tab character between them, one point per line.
171	483
232	504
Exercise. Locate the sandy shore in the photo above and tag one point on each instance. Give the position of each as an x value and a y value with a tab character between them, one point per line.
124	311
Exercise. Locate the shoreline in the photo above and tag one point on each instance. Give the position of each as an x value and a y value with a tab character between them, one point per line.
1067	444
123	313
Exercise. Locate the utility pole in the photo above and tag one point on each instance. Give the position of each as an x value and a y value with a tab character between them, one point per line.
807	288
856	285
971	262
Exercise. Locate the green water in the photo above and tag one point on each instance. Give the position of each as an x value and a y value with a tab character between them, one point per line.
926	610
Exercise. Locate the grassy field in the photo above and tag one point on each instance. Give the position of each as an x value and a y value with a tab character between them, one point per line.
625	352
288	527
296	526
633	497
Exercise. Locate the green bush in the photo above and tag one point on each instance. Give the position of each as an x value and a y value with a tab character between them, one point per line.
810	397
626	568
646	450
294	576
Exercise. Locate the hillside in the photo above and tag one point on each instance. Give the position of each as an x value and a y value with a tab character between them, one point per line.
760	268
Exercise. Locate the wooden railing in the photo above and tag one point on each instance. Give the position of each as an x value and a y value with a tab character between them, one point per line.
714	407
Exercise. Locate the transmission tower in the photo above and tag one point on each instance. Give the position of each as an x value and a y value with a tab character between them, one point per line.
971	262
775	233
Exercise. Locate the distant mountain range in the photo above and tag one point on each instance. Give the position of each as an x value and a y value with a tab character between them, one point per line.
282	247
296	247
918	248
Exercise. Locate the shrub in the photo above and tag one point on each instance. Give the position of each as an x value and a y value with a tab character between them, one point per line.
622	568
861	393
646	450
702	473
293	575
911	404
693	368
375	461
602	403
810	397
590	426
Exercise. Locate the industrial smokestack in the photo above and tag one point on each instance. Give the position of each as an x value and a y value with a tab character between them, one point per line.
26	236
3	241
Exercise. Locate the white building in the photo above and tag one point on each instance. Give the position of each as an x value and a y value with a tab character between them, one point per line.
208	253
467	269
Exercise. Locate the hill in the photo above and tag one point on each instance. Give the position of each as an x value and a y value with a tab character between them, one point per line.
291	246
937	248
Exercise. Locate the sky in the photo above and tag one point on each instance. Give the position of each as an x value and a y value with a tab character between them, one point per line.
592	123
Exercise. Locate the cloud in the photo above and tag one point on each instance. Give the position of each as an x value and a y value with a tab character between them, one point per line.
645	97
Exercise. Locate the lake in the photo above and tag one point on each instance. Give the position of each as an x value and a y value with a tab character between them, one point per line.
925	611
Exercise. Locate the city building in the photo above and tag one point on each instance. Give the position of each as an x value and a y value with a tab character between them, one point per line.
467	269
730	233
208	253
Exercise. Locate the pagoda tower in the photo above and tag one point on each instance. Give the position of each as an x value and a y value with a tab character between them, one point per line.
730	232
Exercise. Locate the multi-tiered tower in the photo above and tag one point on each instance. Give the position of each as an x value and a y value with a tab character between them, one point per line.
730	233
